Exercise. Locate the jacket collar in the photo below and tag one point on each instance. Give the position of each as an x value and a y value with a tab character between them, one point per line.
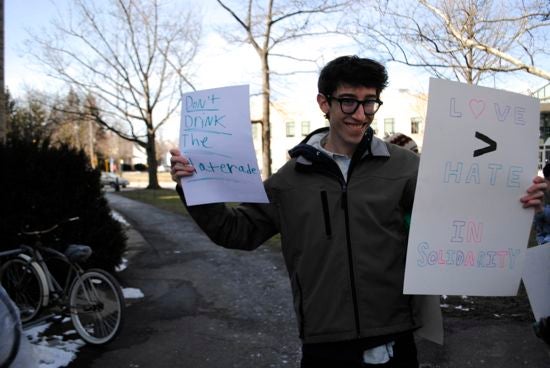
369	145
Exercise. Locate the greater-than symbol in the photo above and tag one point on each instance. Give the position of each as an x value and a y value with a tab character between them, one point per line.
492	145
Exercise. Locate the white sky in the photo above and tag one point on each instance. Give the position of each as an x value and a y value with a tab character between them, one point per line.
219	64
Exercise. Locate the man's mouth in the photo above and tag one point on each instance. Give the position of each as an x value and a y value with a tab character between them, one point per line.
356	125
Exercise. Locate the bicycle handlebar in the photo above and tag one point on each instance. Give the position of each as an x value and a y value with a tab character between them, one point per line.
45	231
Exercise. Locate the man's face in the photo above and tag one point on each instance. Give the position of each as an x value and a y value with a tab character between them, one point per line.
346	130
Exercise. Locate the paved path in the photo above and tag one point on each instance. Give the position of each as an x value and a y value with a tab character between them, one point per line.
205	306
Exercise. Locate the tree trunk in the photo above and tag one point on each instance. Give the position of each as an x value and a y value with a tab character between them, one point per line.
152	162
266	125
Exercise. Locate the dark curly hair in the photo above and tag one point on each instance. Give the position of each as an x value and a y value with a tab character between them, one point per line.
353	71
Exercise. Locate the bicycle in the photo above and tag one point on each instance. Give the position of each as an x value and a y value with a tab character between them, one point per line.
92	298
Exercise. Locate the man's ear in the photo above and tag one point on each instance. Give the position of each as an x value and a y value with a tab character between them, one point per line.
324	105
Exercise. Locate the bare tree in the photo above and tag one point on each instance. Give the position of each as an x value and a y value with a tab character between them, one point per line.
131	55
266	27
465	39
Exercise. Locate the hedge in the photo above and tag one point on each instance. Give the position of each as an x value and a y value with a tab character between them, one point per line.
43	185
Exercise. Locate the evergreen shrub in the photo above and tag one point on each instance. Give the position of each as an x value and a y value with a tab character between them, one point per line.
43	185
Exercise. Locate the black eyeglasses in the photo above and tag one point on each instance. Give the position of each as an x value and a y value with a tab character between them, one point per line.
349	105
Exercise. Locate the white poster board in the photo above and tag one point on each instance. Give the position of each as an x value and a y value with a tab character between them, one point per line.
536	277
216	136
468	231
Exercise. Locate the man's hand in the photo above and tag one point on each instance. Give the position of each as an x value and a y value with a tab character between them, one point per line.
180	165
535	195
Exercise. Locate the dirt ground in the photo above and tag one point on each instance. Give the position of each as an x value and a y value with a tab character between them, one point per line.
515	308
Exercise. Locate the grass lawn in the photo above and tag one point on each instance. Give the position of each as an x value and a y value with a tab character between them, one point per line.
167	199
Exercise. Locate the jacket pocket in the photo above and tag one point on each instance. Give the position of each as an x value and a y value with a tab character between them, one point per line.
326	213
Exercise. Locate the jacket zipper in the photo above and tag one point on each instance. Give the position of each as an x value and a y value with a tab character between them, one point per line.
350	259
344	187
326	214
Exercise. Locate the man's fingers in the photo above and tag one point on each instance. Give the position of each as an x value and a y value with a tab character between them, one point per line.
180	165
175	152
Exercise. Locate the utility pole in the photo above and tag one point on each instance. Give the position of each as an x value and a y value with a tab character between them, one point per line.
3	123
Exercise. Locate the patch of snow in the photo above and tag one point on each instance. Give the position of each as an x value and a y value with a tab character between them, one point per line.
122	266
33	332
460	307
117	216
53	351
132	293
57	353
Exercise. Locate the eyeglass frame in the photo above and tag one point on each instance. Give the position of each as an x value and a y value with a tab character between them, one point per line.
358	103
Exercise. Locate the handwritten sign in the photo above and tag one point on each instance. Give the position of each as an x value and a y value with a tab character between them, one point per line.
536	277
469	232
215	134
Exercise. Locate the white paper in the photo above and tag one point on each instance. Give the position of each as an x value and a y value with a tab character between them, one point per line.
469	232
536	277
216	135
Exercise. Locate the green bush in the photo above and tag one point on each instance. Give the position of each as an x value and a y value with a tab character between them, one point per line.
43	185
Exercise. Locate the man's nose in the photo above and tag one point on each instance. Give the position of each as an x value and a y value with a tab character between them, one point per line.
359	114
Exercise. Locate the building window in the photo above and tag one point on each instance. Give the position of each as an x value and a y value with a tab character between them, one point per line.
415	125
389	126
544	126
305	128
290	129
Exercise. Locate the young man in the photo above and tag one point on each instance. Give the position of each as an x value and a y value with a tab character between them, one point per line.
339	204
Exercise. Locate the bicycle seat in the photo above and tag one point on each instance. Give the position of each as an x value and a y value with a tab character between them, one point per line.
78	252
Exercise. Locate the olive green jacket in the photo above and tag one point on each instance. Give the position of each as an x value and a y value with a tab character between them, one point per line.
343	241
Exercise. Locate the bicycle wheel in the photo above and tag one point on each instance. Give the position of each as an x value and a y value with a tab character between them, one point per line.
97	306
22	281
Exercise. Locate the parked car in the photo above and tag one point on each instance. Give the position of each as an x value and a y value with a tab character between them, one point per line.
111	179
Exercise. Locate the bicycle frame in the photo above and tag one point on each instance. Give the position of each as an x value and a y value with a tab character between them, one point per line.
54	292
11	252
